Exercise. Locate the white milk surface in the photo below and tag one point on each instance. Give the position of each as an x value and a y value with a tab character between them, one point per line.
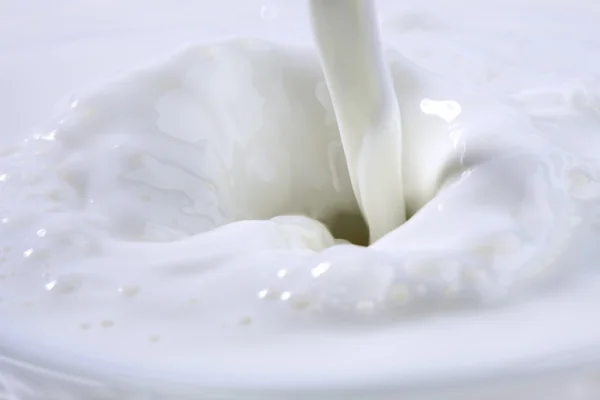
169	198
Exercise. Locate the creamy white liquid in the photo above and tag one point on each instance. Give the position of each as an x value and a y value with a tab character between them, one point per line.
180	214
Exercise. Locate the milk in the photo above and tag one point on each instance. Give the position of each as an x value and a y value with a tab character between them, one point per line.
182	213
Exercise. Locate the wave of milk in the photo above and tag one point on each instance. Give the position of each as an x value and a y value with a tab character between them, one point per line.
158	202
176	154
184	213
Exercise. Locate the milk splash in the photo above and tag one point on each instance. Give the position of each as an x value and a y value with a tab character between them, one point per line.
191	204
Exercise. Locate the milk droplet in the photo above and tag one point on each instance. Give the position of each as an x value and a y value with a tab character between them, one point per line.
281	273
154	339
320	269
129	291
64	284
285	296
107	324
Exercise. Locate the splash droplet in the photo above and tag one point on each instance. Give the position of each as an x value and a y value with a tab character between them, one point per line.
285	296
64	284
281	273
129	291
107	324
320	269
301	304
154	339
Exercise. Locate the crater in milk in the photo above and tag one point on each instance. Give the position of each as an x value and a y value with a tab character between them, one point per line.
196	204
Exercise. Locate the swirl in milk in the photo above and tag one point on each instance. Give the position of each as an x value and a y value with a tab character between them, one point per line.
224	166
207	199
